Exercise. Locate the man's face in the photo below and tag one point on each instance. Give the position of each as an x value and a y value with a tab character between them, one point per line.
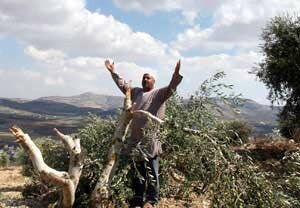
147	82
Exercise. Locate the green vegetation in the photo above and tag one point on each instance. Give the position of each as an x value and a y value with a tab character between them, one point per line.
206	159
4	159
200	162
279	70
240	131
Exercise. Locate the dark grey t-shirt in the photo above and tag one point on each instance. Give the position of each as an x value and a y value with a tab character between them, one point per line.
152	101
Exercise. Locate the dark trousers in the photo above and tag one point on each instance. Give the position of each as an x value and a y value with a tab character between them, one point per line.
146	182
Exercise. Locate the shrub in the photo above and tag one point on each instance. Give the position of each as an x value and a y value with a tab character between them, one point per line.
240	131
4	159
286	174
204	160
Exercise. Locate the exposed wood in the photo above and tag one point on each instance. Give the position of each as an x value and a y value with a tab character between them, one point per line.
101	193
296	136
149	116
67	181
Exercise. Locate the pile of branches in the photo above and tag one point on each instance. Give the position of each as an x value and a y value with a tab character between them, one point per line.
198	157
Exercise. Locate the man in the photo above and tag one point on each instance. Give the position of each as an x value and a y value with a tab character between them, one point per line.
152	100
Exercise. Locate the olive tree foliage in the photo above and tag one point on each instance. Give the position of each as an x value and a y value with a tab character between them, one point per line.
198	147
198	156
240	131
280	68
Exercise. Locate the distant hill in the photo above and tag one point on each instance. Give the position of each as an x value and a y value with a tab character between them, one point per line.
73	105
262	118
39	116
88	100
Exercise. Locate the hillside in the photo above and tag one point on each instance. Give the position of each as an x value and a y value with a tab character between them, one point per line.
40	116
88	100
261	118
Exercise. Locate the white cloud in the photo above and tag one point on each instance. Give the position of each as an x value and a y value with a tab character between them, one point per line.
70	44
218	39
49	56
189	17
71	76
245	12
190	9
28	74
236	67
54	81
237	25
69	27
148	6
66	76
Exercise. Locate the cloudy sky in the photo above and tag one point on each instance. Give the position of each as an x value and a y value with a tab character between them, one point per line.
57	47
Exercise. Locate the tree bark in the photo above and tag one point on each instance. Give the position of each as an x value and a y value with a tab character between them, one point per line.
67	181
101	193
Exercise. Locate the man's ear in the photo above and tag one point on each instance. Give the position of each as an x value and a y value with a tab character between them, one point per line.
153	78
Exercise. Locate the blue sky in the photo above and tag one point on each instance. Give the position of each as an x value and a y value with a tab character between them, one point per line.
57	47
160	25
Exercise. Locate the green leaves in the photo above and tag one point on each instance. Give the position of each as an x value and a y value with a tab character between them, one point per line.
4	159
200	161
280	68
204	158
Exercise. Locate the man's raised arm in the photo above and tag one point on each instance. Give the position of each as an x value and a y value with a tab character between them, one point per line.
176	78
121	83
166	92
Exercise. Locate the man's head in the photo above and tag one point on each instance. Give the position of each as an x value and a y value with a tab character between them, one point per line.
148	82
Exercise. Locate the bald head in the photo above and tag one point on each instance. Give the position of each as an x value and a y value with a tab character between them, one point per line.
148	82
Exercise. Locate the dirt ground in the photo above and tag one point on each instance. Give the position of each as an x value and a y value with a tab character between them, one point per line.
12	183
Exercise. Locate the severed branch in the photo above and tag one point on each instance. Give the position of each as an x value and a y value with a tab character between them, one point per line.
148	115
67	181
191	131
101	193
76	156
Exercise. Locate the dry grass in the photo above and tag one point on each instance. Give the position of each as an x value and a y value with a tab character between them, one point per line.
278	144
11	185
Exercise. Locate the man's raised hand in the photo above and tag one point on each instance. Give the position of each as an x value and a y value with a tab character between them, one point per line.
109	66
177	68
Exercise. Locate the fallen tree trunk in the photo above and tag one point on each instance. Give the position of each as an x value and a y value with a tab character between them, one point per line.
101	193
67	181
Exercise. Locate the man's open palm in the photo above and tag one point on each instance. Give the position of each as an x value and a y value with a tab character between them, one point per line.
109	66
177	68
